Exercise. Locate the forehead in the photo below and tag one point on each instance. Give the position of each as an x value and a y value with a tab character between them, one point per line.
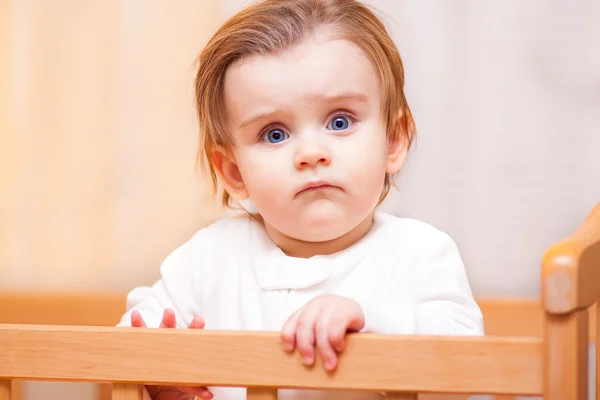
304	73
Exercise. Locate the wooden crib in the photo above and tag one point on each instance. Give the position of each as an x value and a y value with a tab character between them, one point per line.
531	348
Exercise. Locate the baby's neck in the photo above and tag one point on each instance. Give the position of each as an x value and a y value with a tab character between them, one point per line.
302	249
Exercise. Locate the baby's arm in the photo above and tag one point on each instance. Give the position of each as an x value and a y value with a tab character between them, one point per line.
150	302
169	303
174	290
433	297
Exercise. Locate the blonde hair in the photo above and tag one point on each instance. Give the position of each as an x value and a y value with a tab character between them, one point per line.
272	26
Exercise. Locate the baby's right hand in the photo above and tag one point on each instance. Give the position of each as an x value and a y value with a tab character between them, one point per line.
173	392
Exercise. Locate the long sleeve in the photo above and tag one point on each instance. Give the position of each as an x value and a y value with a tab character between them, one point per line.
174	290
430	297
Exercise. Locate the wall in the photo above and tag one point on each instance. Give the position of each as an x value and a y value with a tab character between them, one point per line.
506	98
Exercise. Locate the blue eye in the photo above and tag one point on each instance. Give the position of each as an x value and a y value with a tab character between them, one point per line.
339	123
276	136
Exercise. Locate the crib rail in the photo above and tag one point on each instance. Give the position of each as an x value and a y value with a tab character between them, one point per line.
391	364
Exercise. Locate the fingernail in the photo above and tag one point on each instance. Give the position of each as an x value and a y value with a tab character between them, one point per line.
328	365
287	346
307	360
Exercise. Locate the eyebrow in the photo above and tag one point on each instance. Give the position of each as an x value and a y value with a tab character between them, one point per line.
352	96
349	96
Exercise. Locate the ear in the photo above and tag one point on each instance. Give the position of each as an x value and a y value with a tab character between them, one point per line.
229	175
397	149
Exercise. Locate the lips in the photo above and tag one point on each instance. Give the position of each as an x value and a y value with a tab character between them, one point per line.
316	185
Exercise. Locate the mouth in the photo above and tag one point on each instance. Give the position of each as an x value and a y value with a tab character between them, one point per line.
315	186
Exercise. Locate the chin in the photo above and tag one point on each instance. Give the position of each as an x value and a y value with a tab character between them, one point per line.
320	235
318	222
323	226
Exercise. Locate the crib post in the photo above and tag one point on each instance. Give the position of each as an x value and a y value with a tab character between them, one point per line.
401	396
566	356
5	389
122	391
570	286
261	394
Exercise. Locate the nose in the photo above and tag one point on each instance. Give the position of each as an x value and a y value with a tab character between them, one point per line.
311	155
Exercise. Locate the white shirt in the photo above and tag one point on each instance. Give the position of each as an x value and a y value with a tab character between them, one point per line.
408	277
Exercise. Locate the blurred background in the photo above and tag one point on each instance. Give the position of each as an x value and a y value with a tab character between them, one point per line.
98	135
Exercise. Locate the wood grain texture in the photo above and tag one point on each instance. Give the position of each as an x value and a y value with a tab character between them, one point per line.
566	357
122	391
571	269
104	391
261	394
62	308
153	356
502	316
401	396
5	389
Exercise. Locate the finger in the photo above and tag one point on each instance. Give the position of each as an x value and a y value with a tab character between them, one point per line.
200	391
339	326
136	320
356	319
337	335
288	332
168	319
305	334
197	323
179	392
326	351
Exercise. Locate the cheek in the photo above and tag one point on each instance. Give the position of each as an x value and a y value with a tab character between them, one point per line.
366	157
262	172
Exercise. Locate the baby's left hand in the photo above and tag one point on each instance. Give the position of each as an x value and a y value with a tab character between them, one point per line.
322	324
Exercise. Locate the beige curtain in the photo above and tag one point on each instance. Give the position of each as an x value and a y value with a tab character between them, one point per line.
98	139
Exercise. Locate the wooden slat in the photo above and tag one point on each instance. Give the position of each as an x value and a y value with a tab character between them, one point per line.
5	389
435	396
16	390
566	357
261	394
93	309
401	396
512	316
103	391
502	316
127	392
154	356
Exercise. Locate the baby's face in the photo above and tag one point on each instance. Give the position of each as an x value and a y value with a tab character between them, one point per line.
312	147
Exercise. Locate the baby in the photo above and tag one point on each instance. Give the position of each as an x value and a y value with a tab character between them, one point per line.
302	113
